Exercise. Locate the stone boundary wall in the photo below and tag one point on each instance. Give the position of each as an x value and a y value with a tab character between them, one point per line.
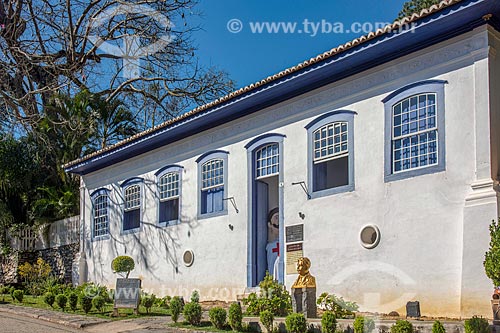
59	258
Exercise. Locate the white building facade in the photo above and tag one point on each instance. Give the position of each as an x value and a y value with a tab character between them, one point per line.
380	157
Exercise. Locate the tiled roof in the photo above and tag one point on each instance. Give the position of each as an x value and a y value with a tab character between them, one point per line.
335	51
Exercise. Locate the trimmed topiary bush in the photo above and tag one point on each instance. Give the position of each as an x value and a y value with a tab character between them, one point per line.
18	295
267	319
61	301
329	322
476	325
363	325
195	296
123	264
437	327
217	317
73	301
49	299
192	313
296	323
235	316
402	326
148	301
86	303
98	302
175	308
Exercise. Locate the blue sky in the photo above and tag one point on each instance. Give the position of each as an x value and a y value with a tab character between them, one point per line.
249	57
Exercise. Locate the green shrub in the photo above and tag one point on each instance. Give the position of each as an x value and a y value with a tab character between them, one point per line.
235	316
11	291
61	301
337	305
49	299
98	302
267	319
296	323
192	313
163	302
402	326
175	308
195	296
437	327
217	317
476	325
4	290
73	301
148	301
492	257
123	264
363	325
34	276
329	322
18	295
86	303
273	297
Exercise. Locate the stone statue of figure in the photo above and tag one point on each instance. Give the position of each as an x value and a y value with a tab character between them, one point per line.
272	247
305	279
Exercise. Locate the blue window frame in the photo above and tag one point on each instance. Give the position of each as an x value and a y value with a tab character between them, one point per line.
414	130
331	153
212	183
100	213
169	182
132	197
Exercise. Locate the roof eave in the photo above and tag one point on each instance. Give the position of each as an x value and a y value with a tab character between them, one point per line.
442	25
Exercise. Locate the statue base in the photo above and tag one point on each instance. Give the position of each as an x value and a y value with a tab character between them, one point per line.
495	307
304	301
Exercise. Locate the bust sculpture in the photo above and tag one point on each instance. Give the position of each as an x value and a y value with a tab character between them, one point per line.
305	279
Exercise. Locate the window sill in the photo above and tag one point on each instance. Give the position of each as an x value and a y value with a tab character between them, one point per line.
101	238
414	173
131	231
169	223
210	215
333	191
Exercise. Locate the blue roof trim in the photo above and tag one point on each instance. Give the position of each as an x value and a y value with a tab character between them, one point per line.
413	85
100	191
131	181
261	137
327	115
171	166
432	29
210	153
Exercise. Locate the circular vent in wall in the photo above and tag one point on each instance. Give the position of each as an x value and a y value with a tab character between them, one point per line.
369	236
188	258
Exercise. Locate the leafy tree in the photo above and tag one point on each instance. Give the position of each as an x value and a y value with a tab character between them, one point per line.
415	6
52	46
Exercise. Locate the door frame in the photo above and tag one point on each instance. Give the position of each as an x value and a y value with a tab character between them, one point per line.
251	147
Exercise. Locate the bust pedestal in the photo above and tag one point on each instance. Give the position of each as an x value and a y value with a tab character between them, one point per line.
304	301
495	306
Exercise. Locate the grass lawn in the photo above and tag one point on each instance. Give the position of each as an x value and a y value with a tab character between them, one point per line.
207	326
37	302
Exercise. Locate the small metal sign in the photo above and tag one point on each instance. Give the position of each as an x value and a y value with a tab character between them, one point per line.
293	253
294	233
127	294
413	309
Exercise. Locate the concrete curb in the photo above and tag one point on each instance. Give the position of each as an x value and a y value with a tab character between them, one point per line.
69	320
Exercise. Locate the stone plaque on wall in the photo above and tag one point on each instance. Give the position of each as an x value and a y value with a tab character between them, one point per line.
127	293
294	233
293	253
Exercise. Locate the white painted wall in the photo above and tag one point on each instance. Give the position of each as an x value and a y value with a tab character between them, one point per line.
433	227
